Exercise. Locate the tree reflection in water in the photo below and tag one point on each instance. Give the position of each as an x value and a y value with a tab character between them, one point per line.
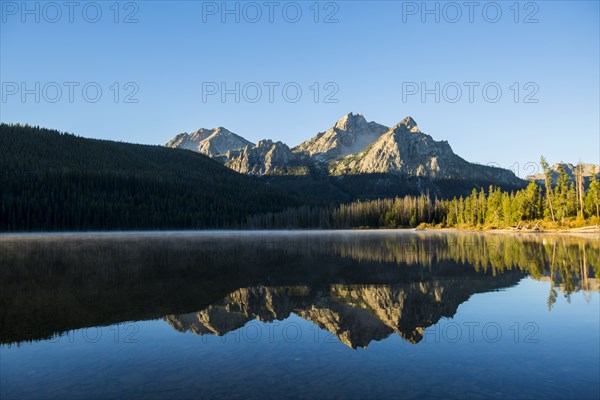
360	285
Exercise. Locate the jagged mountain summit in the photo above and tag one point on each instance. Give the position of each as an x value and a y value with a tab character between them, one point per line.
211	142
350	134
402	149
267	158
405	150
353	149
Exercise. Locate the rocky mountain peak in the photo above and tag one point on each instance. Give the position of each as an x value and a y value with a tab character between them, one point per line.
405	150
349	134
267	158
408	124
211	142
268	143
350	120
351	146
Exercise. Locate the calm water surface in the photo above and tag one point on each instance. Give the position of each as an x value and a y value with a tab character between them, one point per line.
362	314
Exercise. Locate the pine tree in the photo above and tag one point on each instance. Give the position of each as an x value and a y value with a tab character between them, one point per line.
548	185
579	189
592	199
561	193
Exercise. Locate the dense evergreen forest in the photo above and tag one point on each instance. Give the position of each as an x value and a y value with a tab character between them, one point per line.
320	188
52	181
563	205
56	181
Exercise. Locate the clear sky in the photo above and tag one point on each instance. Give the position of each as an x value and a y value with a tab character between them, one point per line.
372	57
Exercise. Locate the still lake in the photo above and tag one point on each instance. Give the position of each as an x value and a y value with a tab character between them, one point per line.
307	314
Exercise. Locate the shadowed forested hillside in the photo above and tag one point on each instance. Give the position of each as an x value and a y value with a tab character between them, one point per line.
57	181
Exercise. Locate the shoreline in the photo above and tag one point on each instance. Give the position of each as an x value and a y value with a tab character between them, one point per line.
583	230
586	231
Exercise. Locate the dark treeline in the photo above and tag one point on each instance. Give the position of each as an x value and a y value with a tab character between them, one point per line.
565	204
54	181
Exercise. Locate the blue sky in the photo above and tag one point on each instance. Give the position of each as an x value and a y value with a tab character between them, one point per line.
368	61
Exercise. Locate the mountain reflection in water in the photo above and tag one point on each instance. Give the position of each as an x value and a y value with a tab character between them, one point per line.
360	286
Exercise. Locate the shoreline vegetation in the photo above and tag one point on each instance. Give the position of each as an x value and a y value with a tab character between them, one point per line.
565	204
586	231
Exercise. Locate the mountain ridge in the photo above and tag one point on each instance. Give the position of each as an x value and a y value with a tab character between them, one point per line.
355	146
405	150
587	170
267	158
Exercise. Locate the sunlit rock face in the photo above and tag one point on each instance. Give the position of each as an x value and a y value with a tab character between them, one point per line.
267	158
211	142
350	134
352	146
405	150
355	314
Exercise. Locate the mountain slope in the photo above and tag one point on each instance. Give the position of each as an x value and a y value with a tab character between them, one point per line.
56	181
267	158
350	134
356	159
211	142
350	148
405	150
